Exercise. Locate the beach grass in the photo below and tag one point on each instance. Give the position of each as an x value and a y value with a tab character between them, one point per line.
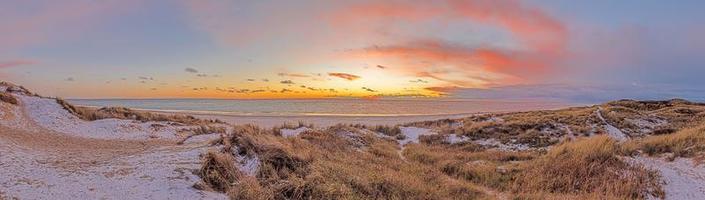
8	98
91	114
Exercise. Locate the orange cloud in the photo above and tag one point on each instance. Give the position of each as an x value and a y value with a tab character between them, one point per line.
346	76
543	38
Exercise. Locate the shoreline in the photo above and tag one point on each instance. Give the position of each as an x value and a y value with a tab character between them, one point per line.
326	119
266	121
321	121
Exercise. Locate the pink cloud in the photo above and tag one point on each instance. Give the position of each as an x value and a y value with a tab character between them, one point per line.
15	63
543	38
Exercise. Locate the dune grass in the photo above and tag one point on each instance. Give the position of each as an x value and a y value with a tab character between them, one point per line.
330	164
91	114
356	162
322	164
685	143
587	167
8	98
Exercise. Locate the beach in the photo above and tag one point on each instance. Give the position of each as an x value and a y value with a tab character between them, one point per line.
325	112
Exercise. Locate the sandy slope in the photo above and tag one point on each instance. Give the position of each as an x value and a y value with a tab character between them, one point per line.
53	162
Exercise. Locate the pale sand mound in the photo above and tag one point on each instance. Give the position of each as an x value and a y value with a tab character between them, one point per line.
47	113
67	158
52	166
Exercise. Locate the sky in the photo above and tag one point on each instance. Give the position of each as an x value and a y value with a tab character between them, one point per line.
583	51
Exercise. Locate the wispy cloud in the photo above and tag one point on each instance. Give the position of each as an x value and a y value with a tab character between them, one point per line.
288	82
418	81
191	70
369	89
294	75
15	63
346	76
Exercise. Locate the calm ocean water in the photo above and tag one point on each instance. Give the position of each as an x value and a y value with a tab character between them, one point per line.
324	107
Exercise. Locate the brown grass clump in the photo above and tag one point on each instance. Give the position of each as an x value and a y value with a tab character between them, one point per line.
219	171
392	131
677	113
8	98
684	143
324	164
588	166
91	114
467	162
387	130
534	128
650	105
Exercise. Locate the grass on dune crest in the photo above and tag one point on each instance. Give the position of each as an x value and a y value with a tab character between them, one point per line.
589	166
685	143
91	114
8	98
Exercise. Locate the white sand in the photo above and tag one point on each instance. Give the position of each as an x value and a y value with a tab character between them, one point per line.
496	144
48	114
47	153
164	173
453	139
203	138
293	132
248	165
412	134
683	179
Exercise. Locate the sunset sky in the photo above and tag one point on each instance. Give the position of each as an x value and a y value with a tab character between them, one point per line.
571	50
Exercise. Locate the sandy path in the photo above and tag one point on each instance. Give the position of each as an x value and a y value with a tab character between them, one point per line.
683	178
612	131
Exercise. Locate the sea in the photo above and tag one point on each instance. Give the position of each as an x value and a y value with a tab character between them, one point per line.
327	107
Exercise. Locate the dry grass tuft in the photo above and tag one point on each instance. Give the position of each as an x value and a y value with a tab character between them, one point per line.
588	166
219	171
8	98
684	143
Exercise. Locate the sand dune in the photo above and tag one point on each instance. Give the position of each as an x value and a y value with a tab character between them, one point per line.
47	152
